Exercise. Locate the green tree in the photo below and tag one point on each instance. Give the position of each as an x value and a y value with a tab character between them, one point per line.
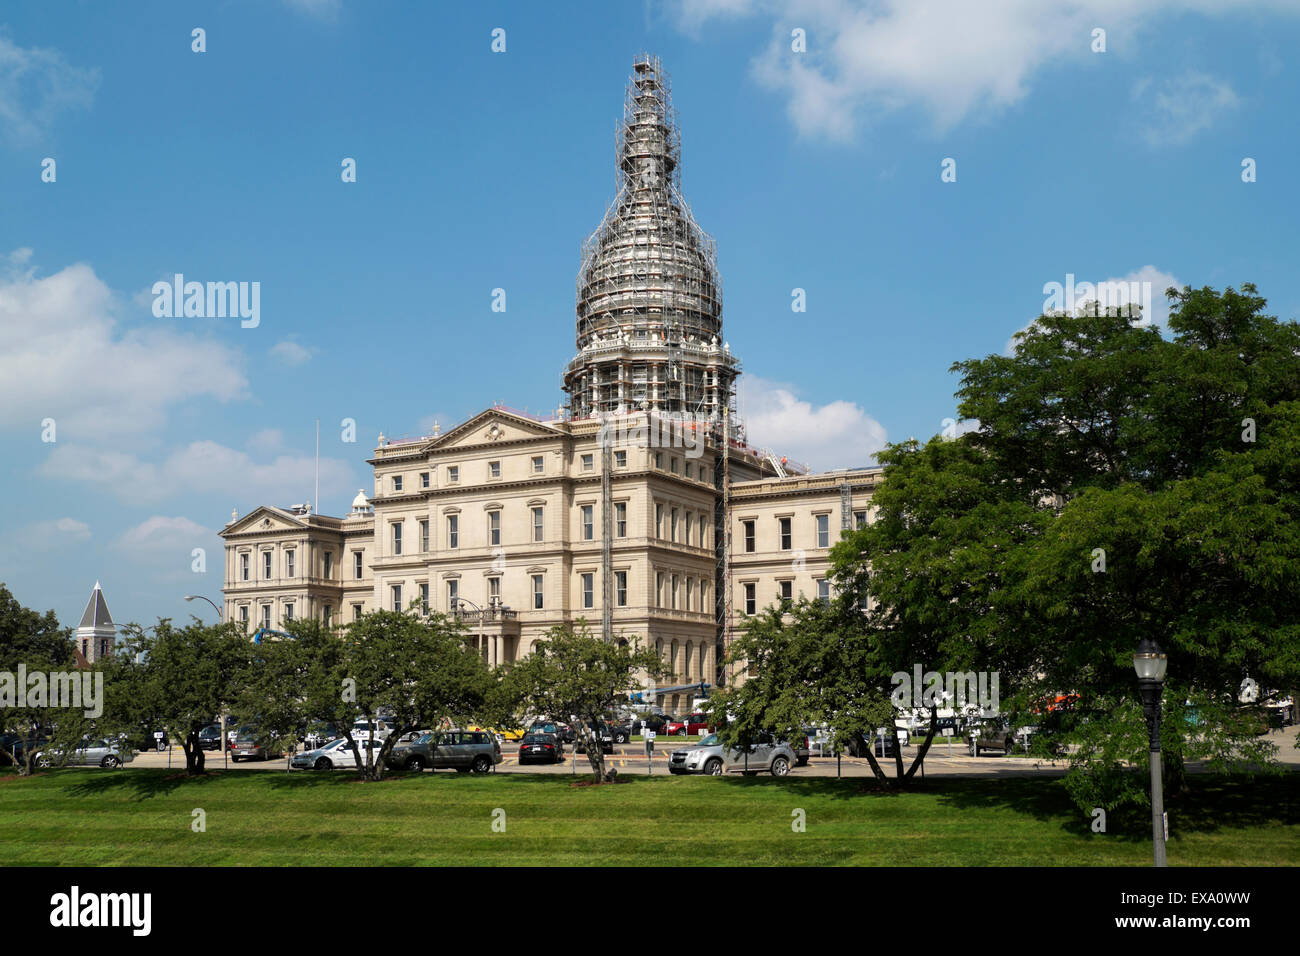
572	674
38	644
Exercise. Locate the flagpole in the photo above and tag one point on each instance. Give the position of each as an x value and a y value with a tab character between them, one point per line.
316	500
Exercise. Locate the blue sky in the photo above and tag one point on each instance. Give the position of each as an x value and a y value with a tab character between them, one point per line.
817	170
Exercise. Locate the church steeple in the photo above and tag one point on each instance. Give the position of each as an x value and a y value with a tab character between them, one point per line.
96	634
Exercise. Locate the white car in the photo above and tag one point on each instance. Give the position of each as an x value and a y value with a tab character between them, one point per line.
361	730
337	754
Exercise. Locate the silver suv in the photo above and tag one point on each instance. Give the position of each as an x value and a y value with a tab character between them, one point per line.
711	757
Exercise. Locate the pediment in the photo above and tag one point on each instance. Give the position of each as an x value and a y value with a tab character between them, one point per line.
265	519
492	427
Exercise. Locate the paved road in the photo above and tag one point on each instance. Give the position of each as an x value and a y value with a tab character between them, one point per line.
630	759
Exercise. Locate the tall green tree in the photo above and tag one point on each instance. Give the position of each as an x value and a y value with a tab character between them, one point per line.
37	643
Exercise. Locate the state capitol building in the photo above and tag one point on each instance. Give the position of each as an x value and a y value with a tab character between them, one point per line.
639	507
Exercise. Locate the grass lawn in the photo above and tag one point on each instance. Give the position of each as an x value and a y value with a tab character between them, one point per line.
124	817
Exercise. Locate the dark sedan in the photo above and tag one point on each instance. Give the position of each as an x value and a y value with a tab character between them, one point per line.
541	748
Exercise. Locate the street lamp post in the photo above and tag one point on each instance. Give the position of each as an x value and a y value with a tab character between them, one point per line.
1150	663
200	597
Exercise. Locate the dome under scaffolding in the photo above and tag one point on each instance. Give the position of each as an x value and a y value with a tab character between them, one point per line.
649	299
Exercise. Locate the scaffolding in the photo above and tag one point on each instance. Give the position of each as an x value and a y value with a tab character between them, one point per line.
648	296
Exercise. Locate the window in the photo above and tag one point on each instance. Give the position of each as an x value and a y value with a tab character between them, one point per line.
288	612
785	533
453	474
588	529
243	614
689	520
453	531
538	464
620	520
243	567
424	534
672	465
539	525
589	590
620	588
659	521
672	526
266	564
494	527
329	565
397	537
620	459
424	479
659	589
266	615
588	462
328	613
674	601
824	590
453	593
288	562
494	590
690	591
397	597
859	519
748	527
786	591
751	599
494	469
356	612
538	592
356	564
397	482
424	599
659	459
823	531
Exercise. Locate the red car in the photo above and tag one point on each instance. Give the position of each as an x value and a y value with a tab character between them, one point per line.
690	725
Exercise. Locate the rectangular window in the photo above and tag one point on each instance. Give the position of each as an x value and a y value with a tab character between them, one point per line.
397	537
494	527
453	531
620	459
539	526
243	567
824	591
424	599
620	588
659	521
397	482
243	614
494	469
588	462
690	518
823	531
589	590
690	592
288	562
424	479
659	589
672	462
356	612
751	599
859	519
397	597
453	593
328	613
266	615
620	520
494	590
357	567
674	604
659	459
538	592
424	534
329	565
453	474
288	612
672	526
748	527
266	565
787	591
538	465
785	533
588	529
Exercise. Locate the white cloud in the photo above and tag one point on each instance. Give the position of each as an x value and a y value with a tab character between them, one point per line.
35	86
62	356
50	535
267	440
204	467
1180	108
954	59
161	535
1150	281
291	353
838	434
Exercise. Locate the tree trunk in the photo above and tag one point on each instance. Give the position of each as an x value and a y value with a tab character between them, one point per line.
595	756
194	758
866	748
925	747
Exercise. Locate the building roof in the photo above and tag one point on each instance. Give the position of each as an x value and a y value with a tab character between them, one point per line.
96	613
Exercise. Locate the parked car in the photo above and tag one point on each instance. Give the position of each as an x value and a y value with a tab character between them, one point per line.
336	753
801	750
619	729
711	757
603	733
462	750
656	722
689	726
541	748
361	729
210	737
251	745
997	735
319	734
91	753
16	745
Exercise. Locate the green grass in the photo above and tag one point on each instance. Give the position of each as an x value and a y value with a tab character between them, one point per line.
142	817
